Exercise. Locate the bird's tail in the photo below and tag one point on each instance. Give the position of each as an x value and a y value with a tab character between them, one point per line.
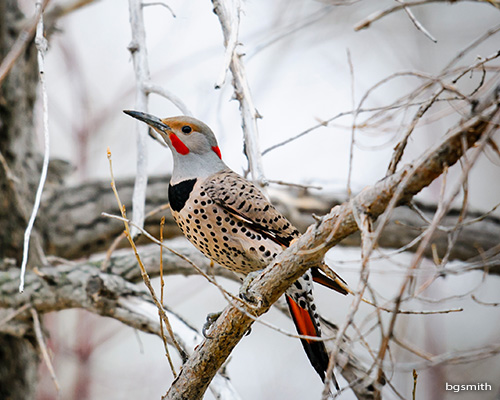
307	324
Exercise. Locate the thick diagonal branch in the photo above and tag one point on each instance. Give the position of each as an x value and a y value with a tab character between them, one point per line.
311	247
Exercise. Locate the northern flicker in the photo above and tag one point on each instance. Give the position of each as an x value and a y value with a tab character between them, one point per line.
231	222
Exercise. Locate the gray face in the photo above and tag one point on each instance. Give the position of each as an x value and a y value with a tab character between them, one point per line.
183	134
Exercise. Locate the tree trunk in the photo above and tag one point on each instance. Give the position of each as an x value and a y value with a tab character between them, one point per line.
18	177
18	368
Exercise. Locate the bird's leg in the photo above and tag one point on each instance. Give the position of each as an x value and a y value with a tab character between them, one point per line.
211	318
245	292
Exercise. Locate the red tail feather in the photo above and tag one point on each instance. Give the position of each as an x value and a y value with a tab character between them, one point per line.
304	323
315	350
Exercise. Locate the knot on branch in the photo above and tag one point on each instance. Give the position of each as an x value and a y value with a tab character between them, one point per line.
133	47
98	293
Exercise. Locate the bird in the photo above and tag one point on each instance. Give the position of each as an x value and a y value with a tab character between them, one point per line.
228	218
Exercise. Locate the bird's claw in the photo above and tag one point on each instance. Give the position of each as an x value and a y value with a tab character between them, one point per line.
245	292
211	318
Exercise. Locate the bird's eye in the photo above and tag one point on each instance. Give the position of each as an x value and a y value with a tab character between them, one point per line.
186	129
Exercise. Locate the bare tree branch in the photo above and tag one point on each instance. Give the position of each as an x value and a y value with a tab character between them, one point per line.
72	225
22	41
62	9
416	22
137	48
311	247
228	12
85	286
41	46
111	293
149	87
365	23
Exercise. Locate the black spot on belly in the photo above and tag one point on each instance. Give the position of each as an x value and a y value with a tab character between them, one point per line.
179	193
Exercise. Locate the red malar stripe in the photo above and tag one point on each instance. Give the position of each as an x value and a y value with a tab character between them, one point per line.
180	147
217	151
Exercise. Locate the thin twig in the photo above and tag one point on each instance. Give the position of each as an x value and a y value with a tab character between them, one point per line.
22	41
440	212
292	29
412	349
43	348
14	314
119	238
472	45
150	87
162	286
400	147
325	123
297	185
414	391
365	23
41	45
162	4
483	302
144	273
138	50
415	21
353	127
63	9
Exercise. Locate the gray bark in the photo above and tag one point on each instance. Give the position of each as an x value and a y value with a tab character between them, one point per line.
18	177
72	224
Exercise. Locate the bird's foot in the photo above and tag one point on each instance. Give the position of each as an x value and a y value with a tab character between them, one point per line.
211	318
247	294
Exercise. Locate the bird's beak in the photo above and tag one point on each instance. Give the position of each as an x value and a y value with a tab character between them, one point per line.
151	120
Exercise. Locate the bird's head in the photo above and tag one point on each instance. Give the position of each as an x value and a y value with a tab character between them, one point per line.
194	146
183	134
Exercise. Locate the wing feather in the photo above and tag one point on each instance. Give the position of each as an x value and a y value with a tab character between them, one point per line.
246	202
